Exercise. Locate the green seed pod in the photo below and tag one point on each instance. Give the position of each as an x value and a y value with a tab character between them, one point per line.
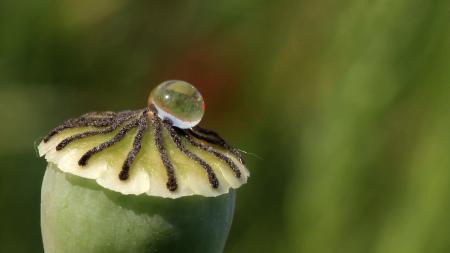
134	182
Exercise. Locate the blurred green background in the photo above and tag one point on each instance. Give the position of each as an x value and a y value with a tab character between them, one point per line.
347	104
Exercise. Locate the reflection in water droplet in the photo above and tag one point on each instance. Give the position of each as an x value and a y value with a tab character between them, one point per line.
179	102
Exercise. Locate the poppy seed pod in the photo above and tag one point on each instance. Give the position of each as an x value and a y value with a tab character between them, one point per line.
147	180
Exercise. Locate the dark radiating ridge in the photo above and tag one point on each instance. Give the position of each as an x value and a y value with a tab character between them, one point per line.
176	139
100	114
171	182
118	137
117	122
209	149
199	132
137	144
94	119
79	122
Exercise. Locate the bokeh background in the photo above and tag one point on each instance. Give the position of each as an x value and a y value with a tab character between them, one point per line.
344	104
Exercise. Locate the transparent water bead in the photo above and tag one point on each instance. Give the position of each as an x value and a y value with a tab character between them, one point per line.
178	101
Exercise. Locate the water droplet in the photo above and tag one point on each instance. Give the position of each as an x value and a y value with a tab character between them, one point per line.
179	102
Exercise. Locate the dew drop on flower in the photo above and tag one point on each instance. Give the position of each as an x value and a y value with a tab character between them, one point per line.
179	102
